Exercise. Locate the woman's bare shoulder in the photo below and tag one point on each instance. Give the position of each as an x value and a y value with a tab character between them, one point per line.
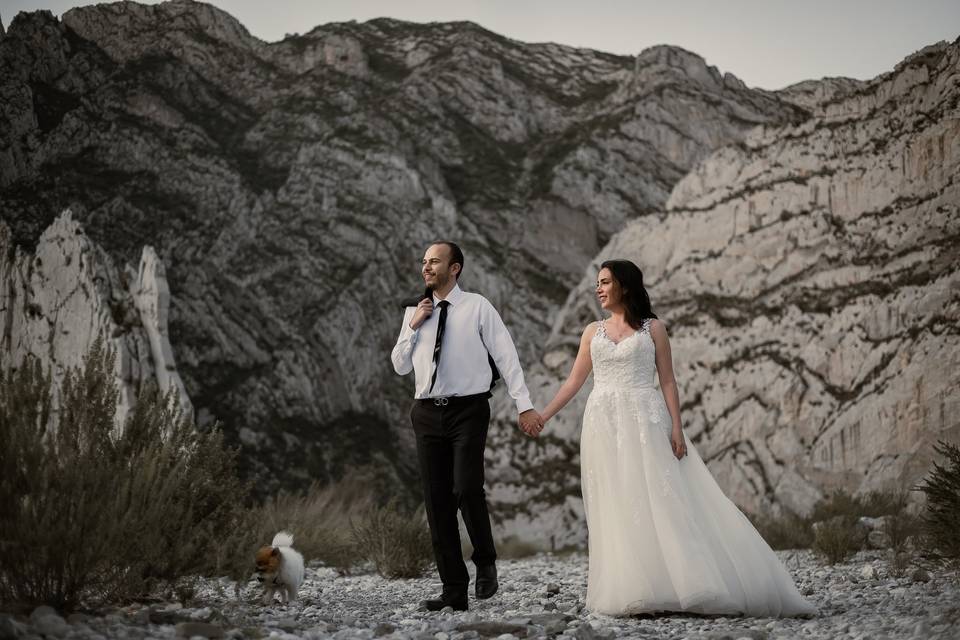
657	328
590	330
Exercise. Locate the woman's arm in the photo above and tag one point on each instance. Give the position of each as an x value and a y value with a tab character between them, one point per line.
582	367
668	385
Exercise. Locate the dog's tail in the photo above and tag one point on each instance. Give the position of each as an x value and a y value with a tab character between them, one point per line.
283	539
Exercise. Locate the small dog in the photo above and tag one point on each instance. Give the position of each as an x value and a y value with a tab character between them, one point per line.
280	568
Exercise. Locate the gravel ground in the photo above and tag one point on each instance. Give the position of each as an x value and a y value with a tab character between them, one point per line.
540	596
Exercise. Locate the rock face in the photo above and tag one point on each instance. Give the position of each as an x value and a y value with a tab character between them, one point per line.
810	282
813	94
291	187
55	303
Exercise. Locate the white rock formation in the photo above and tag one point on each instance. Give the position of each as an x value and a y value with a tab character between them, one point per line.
151	296
55	303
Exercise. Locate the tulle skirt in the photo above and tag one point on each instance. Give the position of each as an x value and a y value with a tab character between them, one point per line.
662	535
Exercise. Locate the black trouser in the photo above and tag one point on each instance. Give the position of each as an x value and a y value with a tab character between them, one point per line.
450	444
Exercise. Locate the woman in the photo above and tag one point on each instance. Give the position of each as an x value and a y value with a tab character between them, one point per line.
662	535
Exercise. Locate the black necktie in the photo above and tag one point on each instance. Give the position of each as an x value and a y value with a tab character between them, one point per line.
441	326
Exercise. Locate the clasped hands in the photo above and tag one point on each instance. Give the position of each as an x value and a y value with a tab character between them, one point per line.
531	422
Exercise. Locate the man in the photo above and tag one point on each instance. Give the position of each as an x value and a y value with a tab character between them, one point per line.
446	340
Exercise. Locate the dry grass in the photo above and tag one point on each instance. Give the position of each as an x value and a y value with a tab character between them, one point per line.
833	527
838	538
395	541
512	548
319	521
789	531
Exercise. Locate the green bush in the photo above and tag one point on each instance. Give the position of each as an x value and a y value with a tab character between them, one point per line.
395	541
940	522
95	513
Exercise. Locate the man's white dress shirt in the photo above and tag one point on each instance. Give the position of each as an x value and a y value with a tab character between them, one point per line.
473	329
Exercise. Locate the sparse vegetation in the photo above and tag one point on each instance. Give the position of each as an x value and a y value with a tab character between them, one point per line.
838	538
789	531
320	522
93	515
395	541
512	548
871	505
835	528
901	526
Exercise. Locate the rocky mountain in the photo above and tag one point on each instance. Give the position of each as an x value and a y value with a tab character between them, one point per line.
811	94
68	293
810	280
291	187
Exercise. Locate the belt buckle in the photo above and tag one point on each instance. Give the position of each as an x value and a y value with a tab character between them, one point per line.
441	402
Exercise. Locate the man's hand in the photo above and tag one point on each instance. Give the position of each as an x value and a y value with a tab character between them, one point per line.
424	310
531	422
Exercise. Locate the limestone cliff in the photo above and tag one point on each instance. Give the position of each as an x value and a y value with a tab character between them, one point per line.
810	281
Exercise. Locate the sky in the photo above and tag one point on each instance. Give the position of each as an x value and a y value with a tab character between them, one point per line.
766	43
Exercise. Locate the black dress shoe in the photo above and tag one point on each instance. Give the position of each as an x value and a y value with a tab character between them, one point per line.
449	598
486	583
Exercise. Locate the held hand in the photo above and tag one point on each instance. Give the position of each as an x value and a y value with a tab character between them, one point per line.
531	422
677	443
424	310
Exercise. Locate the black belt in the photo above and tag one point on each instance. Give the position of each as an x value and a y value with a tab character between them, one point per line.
452	401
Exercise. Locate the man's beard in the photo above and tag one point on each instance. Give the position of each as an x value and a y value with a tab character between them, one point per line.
439	283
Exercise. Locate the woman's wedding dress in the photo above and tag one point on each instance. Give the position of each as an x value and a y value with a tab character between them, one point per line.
662	535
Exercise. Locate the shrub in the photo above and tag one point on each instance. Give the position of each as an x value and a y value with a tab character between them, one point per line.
838	538
395	541
940	522
900	526
93	514
898	562
838	534
844	511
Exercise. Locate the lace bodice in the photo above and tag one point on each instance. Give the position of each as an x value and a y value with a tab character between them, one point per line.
628	364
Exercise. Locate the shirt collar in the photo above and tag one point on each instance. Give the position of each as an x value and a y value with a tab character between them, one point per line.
453	297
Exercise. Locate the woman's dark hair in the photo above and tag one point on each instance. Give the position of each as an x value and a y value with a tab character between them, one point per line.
636	301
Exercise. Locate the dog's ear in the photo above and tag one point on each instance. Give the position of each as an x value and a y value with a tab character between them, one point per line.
275	552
